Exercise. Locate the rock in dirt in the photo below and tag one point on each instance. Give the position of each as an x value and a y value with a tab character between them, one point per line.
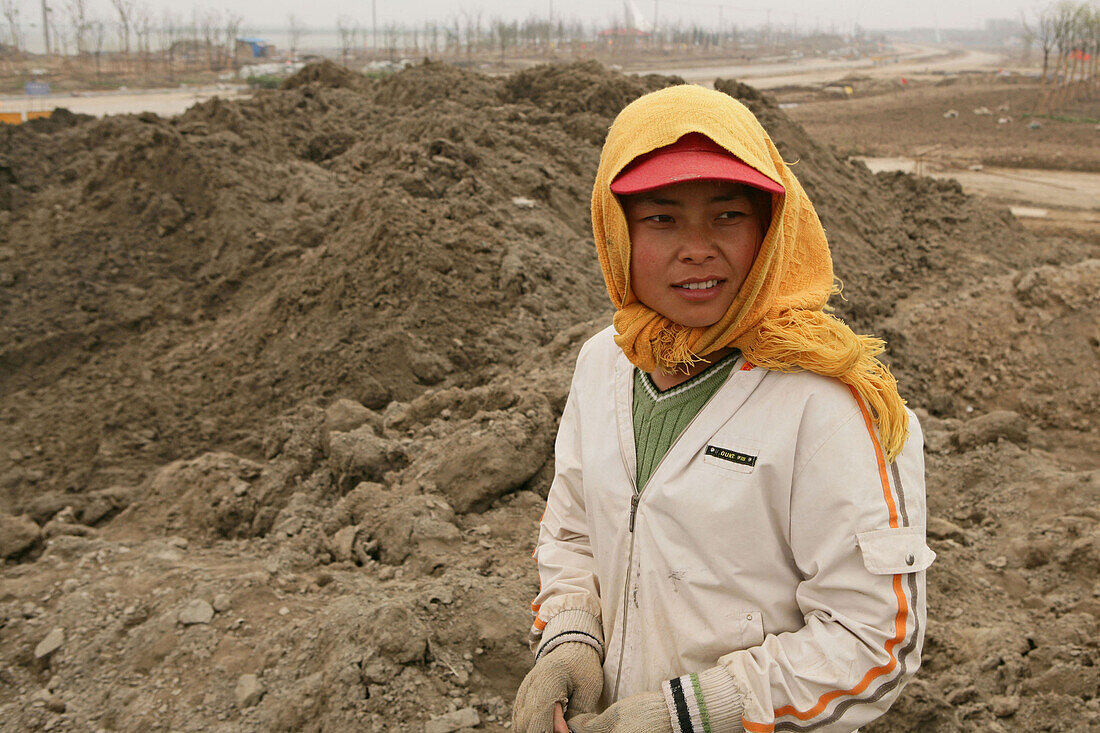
419	526
473	468
345	415
464	718
52	702
991	427
50	644
1005	706
360	455
222	602
342	543
942	529
17	534
197	611
399	634
249	691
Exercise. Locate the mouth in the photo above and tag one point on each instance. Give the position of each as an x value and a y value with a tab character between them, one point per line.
698	285
695	284
695	290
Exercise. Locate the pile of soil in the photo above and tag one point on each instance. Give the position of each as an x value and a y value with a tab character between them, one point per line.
280	380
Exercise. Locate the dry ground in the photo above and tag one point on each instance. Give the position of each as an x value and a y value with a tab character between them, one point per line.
280	377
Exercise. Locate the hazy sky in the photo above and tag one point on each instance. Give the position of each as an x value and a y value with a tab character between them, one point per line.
871	14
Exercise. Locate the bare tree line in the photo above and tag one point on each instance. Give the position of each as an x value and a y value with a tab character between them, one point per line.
470	34
207	39
1067	33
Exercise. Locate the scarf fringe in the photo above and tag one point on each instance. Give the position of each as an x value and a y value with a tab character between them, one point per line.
823	344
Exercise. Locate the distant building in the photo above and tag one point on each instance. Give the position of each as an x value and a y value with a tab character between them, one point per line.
622	37
253	48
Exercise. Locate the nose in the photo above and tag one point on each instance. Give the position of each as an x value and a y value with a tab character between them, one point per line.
696	246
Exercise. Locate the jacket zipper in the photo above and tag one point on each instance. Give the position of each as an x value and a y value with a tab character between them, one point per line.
635	498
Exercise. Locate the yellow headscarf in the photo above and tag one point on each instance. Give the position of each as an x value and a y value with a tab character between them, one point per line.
778	319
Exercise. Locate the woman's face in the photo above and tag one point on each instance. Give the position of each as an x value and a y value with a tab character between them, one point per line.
692	245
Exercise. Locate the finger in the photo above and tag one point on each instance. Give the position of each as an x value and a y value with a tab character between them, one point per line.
533	711
560	726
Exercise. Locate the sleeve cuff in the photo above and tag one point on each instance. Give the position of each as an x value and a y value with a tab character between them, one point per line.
568	626
704	701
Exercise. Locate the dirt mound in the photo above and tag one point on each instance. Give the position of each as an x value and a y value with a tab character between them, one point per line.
431	83
327	74
280	380
582	86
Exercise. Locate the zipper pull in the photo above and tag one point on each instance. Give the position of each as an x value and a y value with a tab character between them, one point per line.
633	509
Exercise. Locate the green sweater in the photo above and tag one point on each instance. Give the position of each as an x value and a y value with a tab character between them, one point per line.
660	417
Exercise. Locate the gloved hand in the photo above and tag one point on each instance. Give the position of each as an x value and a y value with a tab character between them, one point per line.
570	674
644	713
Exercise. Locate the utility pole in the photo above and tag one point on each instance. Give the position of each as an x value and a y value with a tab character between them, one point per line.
46	25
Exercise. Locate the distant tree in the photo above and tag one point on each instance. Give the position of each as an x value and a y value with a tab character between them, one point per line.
143	30
1040	32
295	28
345	34
504	34
125	10
472	29
168	31
209	24
10	10
77	10
391	33
231	28
98	31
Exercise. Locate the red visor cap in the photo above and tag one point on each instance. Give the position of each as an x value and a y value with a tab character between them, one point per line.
694	157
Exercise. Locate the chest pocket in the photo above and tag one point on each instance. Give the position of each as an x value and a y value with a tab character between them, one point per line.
731	454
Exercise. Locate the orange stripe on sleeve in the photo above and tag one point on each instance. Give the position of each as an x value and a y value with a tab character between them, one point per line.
757	727
900	618
539	624
879	457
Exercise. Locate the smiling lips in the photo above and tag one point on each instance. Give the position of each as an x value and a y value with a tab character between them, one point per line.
699	290
702	285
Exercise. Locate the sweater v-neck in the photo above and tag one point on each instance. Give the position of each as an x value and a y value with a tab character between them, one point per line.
660	417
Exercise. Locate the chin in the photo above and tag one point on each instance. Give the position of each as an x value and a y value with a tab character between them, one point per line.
696	322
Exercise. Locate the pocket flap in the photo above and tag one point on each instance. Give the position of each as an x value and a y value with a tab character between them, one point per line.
895	550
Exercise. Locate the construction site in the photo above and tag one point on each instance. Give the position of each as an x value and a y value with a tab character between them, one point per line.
281	370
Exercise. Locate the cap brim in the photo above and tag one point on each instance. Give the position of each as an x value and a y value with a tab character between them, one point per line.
690	165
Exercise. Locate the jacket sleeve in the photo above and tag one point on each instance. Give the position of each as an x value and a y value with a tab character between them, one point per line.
857	537
567	607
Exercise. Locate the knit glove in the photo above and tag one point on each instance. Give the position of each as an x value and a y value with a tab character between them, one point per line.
570	674
644	713
705	701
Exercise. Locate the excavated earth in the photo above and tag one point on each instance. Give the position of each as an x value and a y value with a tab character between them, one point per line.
279	381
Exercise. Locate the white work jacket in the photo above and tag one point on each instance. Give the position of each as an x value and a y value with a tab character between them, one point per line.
773	539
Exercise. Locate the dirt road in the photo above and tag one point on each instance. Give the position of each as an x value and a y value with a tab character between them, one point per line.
1027	187
164	102
913	60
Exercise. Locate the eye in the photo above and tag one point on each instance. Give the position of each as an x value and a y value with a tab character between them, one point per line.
733	214
659	219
